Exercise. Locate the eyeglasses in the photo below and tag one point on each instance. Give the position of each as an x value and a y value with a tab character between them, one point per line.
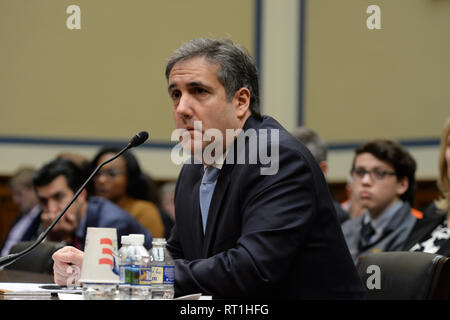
109	173
375	174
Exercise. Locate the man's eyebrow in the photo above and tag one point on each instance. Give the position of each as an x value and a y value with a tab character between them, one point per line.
57	194
171	86
198	84
191	85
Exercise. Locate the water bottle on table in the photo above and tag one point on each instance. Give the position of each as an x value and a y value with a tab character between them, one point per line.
163	270
135	269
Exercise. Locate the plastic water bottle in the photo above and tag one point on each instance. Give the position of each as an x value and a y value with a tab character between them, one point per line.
124	287
163	270
135	269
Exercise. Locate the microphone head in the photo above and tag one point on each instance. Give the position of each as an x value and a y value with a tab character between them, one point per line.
138	139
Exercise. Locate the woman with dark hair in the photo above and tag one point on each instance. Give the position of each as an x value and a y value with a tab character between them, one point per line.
123	182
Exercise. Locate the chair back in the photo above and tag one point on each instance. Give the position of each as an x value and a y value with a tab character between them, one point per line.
404	275
37	260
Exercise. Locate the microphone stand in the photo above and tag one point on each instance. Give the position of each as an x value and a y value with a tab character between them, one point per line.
7	260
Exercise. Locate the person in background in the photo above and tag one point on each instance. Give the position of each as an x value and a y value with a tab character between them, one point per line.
383	175
432	233
319	150
168	206
123	182
27	223
158	196
56	183
167	202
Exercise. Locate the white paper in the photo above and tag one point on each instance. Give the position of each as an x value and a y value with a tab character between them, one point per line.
34	289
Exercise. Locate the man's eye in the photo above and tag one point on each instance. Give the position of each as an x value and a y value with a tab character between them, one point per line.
175	95
200	91
58	197
379	174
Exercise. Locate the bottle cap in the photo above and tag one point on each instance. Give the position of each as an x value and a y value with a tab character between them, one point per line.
159	241
125	240
137	239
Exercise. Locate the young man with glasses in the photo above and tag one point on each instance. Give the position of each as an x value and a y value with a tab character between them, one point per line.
383	178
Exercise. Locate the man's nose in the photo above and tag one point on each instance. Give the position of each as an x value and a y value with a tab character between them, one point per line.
53	207
184	107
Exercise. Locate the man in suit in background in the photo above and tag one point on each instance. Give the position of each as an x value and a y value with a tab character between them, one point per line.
319	150
248	225
26	225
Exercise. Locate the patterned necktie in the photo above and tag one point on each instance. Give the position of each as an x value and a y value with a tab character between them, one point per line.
206	192
367	231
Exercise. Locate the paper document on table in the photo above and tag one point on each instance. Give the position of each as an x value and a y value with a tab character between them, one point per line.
44	289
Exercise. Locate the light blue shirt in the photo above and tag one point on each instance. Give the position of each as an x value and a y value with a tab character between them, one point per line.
382	221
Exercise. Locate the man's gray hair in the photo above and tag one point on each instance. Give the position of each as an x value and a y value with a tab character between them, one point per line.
313	142
237	67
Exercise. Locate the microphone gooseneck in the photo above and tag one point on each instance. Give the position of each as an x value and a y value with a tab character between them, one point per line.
137	140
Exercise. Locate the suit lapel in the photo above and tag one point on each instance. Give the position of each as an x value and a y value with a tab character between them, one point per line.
220	190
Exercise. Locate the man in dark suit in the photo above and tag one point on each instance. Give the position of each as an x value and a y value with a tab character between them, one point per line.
249	223
267	233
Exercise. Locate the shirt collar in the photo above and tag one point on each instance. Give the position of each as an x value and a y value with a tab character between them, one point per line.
382	220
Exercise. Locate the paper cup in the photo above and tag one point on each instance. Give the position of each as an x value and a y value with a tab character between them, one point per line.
100	262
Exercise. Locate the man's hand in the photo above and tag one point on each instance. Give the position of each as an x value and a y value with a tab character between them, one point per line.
67	266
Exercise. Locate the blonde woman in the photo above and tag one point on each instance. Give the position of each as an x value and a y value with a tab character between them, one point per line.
432	233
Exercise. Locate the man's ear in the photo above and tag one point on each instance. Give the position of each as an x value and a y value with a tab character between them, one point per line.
402	185
242	100
324	166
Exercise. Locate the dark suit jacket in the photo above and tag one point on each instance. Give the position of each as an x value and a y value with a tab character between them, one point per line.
424	227
270	236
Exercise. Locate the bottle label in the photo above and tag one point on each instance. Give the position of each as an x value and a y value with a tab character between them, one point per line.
163	275
135	275
145	276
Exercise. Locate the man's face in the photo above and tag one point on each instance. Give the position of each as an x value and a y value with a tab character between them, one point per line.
375	194
53	199
24	197
198	95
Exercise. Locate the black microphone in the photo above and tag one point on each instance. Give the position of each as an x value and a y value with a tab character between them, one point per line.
137	140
